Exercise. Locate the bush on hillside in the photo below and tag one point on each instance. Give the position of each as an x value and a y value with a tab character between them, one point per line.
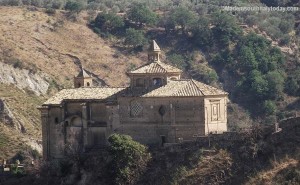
135	38
177	60
128	158
75	6
269	107
140	14
183	17
108	22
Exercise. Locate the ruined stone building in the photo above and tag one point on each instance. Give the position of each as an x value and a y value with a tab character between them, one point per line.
157	107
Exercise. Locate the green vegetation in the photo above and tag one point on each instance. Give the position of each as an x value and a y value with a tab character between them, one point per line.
249	57
226	29
3	140
108	22
135	38
140	14
75	6
129	158
245	54
183	18
177	60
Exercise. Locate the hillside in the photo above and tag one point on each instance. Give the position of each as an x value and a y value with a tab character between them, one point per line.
40	54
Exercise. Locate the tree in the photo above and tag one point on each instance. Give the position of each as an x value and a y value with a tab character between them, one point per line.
135	38
75	6
291	86
259	85
140	14
182	17
226	28
168	23
247	59
108	22
177	60
251	20
128	158
275	84
202	34
269	107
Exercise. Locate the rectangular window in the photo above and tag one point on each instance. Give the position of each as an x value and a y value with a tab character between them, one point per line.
215	110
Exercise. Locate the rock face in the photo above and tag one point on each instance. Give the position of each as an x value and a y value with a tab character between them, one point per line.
23	78
7	117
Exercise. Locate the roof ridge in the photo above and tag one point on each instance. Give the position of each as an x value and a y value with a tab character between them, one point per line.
95	87
193	81
158	63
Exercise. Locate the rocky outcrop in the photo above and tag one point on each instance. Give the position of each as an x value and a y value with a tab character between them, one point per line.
7	117
23	78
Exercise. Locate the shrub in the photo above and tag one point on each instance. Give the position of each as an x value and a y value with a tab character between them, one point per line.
93	6
37	3
50	11
17	63
285	40
251	20
141	14
292	86
14	2
183	17
177	60
129	158
202	34
135	38
286	26
58	4
275	84
269	107
226	28
74	6
108	22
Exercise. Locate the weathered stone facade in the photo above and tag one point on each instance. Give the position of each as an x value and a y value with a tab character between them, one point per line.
158	107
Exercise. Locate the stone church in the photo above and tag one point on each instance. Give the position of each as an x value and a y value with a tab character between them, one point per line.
157	107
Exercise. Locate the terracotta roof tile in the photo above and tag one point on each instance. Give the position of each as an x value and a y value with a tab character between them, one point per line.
176	88
95	93
156	67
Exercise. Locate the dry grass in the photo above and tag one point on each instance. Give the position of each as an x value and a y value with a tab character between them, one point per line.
271	176
24	108
53	43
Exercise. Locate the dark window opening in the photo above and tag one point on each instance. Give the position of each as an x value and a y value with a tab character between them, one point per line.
79	85
88	84
157	81
56	120
162	110
163	140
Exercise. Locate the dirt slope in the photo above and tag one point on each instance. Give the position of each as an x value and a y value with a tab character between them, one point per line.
50	49
55	45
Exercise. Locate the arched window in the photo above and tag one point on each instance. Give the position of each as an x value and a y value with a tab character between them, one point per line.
88	84
157	81
56	120
173	78
139	82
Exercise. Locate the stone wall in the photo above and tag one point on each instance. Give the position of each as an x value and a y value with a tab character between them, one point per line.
157	120
215	114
